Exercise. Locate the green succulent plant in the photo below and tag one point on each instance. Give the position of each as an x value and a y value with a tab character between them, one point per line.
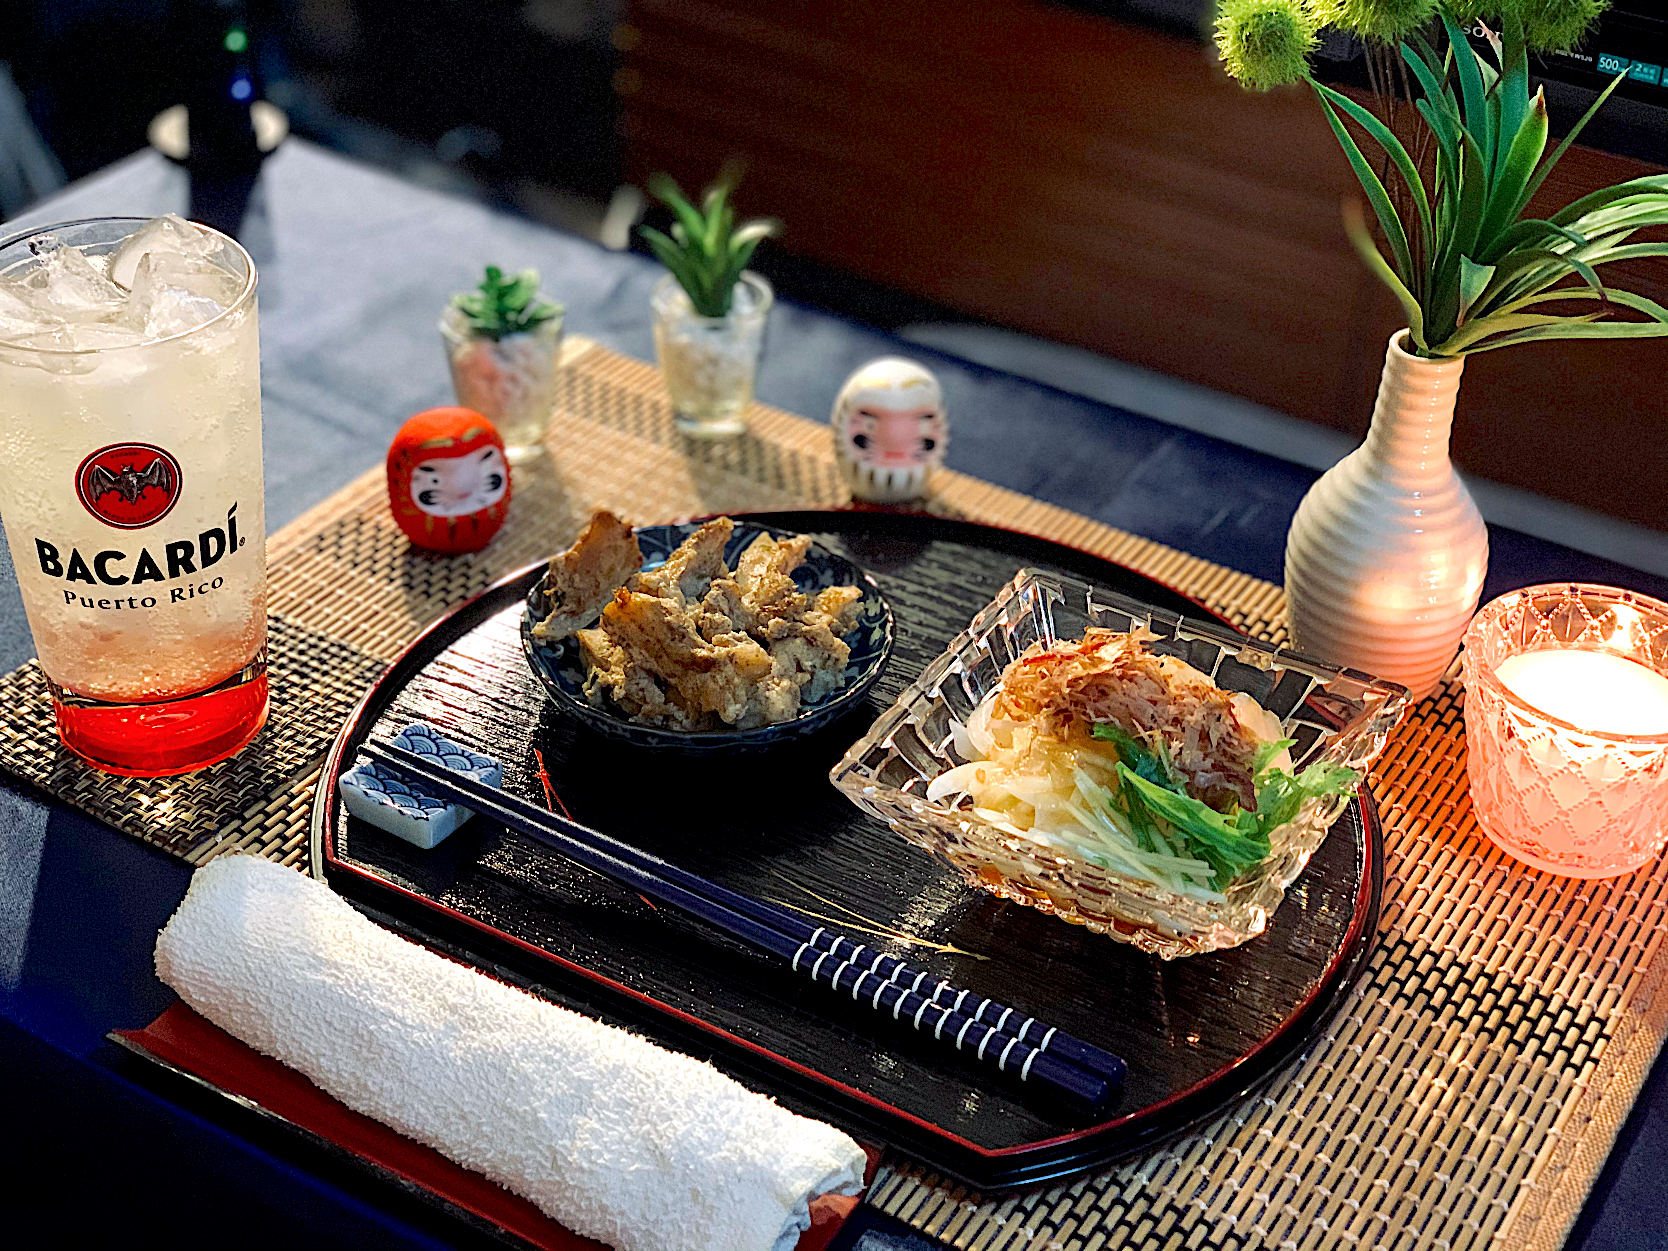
502	306
1471	272
706	251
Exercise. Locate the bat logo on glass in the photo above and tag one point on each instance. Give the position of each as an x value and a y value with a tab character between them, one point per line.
128	485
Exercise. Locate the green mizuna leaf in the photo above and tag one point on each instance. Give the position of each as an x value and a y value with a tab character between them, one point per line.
1280	795
1211	837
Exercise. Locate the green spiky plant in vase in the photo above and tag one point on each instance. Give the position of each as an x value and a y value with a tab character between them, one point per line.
709	309
502	342
1386	555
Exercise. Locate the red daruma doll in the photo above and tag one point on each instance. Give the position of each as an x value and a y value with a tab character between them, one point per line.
448	481
890	429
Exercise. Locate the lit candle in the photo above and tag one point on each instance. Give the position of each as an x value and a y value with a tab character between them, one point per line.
1566	727
1595	691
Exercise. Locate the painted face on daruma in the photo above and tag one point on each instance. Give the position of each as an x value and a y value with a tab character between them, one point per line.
894	438
460	484
890	428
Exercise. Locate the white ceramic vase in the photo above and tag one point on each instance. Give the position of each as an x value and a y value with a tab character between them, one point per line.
1386	555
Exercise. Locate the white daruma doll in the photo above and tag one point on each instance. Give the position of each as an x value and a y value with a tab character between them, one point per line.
890	429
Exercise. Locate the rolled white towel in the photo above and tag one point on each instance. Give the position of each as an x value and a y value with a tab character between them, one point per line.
613	1136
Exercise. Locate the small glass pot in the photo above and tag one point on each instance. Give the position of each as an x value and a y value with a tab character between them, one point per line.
1561	797
709	362
509	381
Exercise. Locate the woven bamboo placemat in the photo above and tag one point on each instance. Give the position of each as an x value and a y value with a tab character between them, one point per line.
1466	1098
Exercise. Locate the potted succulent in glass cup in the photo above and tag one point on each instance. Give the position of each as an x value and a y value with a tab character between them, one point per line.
503	341
709	310
1386	556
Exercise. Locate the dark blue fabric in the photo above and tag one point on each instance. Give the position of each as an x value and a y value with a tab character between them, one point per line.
355	267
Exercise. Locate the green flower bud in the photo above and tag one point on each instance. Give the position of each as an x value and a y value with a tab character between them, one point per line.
1385	20
1265	43
1467	11
1556	25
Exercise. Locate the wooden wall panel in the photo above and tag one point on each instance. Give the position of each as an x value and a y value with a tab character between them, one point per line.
1094	183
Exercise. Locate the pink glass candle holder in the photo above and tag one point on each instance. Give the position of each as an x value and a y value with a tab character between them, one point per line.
1569	752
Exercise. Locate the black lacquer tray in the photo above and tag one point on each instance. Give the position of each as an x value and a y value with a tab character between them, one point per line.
1198	1033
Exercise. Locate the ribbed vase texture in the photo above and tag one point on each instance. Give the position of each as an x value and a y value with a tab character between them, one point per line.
1386	555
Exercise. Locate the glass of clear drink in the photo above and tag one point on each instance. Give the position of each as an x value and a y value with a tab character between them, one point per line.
131	485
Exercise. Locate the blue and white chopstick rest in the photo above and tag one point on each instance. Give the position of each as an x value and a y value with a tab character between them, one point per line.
376	794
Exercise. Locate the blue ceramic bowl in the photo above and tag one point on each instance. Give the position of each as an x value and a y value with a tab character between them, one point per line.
562	670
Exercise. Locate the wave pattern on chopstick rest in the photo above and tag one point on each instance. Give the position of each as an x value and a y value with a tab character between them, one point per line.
607	1133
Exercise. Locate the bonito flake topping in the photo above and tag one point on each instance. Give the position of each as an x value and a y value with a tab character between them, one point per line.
1136	762
1111	677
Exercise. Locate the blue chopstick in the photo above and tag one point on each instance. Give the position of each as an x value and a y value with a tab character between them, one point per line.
815	950
989	1012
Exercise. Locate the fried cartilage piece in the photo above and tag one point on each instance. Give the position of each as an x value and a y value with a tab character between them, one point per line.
764	578
726	607
811	654
711	675
840	604
760	591
612	675
803	635
688	571
773	700
810	648
723	610
767	559
584	578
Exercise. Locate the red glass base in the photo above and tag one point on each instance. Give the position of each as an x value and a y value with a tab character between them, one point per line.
158	740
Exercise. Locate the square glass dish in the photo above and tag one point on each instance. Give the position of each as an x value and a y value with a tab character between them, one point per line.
1334	715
